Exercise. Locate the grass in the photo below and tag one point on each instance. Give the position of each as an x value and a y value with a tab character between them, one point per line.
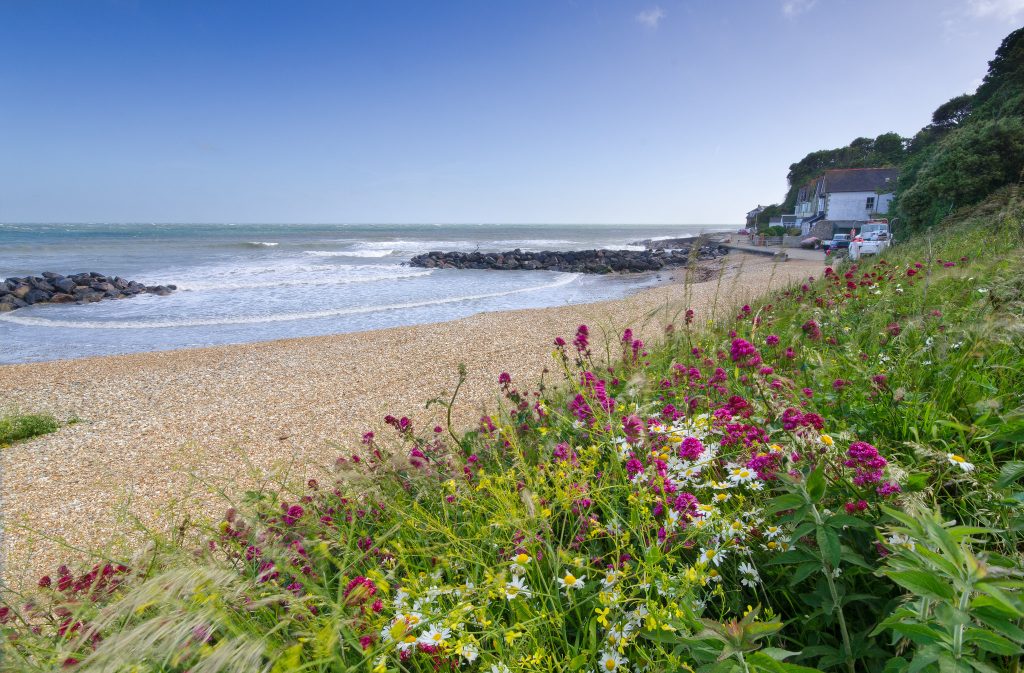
18	427
826	480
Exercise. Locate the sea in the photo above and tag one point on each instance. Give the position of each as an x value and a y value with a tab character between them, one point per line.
241	283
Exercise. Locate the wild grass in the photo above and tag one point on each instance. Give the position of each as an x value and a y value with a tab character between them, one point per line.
16	427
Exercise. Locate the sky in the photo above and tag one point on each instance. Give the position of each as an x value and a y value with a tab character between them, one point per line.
519	111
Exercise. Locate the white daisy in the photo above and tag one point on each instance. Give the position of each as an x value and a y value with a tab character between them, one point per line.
960	462
750	575
469	652
741	475
610	660
570	581
712	555
435	636
517	588
519	563
900	540
499	668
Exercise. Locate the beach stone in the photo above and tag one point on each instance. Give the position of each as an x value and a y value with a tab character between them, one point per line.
55	288
35	296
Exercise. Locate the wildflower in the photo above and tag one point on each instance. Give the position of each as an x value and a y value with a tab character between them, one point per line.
519	562
750	575
516	588
900	540
436	636
499	668
611	659
960	462
741	475
582	340
827	440
602	616
712	555
469	652
570	581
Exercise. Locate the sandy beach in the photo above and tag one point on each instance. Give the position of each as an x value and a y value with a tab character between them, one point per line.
159	436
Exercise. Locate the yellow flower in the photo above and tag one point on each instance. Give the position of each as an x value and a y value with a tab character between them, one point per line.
827	440
602	616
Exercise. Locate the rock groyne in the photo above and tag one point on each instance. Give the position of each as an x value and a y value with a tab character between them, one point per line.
79	288
575	261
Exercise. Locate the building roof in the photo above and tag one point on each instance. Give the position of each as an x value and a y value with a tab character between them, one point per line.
755	211
861	180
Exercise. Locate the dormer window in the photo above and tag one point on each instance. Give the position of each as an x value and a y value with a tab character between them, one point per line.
870	205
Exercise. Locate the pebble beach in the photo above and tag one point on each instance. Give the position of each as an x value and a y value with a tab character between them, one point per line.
154	439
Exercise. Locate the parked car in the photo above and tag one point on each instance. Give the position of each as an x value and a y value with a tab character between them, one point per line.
839	241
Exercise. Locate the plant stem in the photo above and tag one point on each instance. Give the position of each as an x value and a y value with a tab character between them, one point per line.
836	607
958	633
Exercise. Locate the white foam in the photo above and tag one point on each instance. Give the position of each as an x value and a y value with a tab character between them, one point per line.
348	253
396	273
262	244
279	317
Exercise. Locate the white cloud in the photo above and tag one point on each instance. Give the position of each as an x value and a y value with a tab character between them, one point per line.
651	17
1000	9
796	7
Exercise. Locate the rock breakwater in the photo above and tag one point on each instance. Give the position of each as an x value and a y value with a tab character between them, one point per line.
575	261
79	288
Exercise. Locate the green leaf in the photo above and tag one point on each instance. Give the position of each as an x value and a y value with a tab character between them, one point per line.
790	557
760	661
990	642
816	484
784	502
801	530
803	571
1005	600
1011	472
919	633
922	583
579	661
778	654
994	616
828	541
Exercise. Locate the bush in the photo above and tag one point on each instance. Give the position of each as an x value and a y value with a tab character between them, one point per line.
964	168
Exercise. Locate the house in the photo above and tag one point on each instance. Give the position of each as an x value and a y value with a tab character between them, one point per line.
844	198
752	216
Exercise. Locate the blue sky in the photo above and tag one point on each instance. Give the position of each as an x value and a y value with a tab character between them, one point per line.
480	111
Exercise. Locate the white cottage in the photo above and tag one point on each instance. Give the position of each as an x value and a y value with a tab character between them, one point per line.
845	198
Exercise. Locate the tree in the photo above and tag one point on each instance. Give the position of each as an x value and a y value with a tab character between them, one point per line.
953	112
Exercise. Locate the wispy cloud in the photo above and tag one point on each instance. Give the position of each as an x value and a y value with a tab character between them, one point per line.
651	17
1000	9
793	8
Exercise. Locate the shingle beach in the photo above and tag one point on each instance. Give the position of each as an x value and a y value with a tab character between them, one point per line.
158	434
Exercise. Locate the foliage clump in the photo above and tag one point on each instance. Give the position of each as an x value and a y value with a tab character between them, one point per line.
18	427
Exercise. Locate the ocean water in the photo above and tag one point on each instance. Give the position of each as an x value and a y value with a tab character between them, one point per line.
248	282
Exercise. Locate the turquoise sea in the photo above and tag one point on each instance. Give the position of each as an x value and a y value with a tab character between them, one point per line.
255	282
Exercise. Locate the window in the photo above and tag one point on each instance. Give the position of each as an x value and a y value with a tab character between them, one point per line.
870	205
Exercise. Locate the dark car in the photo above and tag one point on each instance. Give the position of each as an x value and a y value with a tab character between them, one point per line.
838	242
